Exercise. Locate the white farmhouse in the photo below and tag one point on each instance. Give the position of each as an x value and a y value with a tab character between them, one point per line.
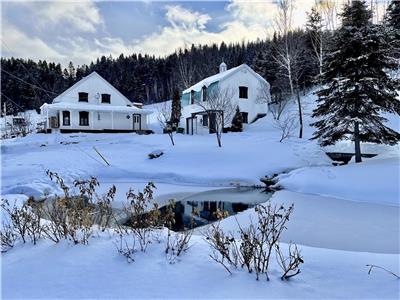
94	105
248	90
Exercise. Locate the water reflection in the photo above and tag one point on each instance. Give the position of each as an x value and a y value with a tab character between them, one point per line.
204	212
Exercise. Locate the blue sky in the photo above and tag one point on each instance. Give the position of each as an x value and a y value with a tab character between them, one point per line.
82	31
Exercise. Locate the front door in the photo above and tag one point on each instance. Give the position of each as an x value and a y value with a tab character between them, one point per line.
137	124
212	122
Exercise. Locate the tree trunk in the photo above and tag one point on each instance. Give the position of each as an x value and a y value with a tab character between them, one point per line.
357	147
300	113
172	138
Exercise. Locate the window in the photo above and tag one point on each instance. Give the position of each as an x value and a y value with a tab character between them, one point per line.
83	97
205	120
245	117
66	117
105	98
243	92
204	92
83	118
136	118
191	97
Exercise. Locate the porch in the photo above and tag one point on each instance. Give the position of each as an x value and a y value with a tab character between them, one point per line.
204	122
69	117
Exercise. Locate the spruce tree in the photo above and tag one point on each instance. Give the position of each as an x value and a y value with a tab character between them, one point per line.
357	87
237	121
176	108
392	21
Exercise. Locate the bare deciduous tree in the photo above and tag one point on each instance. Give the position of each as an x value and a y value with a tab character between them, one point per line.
164	119
286	125
315	29
186	72
329	13
289	52
219	109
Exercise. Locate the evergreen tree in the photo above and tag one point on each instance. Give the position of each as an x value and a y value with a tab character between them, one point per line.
237	121
392	20
176	108
357	87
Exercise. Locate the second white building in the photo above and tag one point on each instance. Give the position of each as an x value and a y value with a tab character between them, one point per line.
247	89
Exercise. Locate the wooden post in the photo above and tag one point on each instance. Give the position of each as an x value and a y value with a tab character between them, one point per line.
47	118
97	151
91	121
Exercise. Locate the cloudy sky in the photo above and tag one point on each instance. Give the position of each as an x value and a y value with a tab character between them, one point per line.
82	31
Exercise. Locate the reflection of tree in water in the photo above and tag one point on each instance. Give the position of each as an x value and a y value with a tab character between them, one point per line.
238	207
179	214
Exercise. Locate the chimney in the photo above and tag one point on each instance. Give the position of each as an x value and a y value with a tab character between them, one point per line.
222	67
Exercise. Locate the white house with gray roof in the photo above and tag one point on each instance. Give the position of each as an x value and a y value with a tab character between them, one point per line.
94	105
249	91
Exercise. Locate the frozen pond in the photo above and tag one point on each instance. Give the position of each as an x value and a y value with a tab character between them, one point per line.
317	221
333	223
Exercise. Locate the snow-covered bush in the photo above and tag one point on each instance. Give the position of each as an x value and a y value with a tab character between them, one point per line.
257	243
20	223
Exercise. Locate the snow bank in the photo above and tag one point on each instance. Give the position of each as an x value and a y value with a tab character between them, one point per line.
97	271
376	180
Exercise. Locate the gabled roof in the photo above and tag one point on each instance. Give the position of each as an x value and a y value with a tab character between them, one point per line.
221	76
91	75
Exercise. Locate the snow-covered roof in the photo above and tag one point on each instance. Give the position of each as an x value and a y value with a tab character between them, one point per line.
220	76
94	107
91	75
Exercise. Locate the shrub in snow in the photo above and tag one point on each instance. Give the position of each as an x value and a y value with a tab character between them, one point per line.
125	249
70	217
20	223
257	243
143	216
177	243
289	264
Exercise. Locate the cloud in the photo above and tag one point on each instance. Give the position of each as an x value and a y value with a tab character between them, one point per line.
83	16
77	31
188	27
18	44
181	17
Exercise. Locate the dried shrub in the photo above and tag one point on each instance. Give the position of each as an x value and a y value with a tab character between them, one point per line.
177	243
290	264
22	223
257	243
125	249
143	216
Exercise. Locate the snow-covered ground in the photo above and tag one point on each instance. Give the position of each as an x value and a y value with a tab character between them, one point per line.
345	217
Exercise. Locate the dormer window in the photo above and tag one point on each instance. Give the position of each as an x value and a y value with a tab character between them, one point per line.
243	92
83	97
105	98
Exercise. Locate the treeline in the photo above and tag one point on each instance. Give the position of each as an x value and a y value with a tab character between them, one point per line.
27	84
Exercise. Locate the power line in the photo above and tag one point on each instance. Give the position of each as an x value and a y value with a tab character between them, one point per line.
33	78
9	99
35	86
